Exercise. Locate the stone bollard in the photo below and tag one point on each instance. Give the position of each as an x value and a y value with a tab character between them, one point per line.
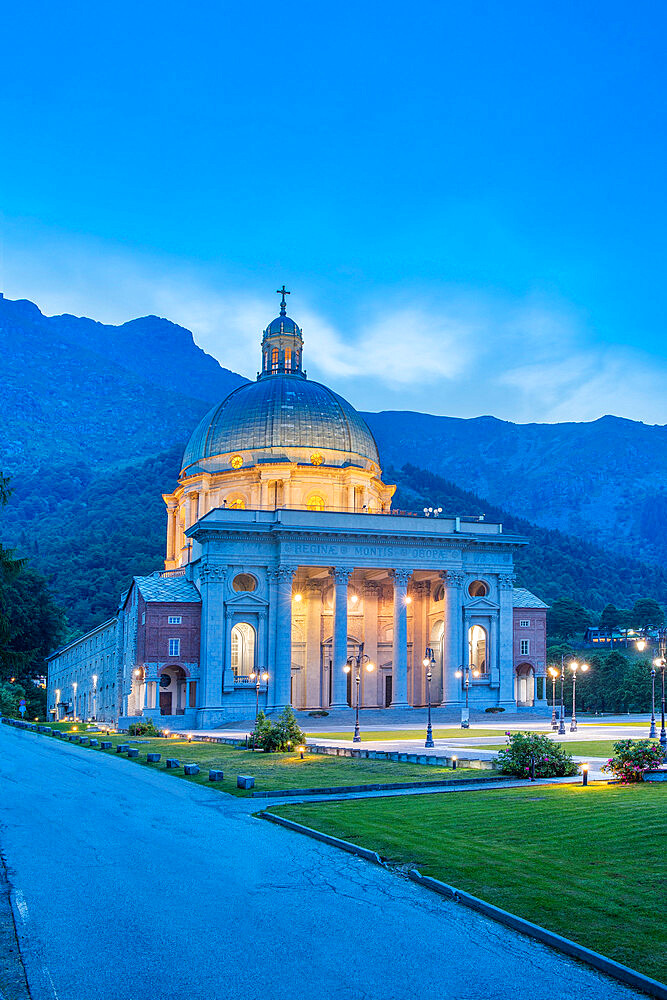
133	752
93	743
214	775
104	745
122	748
245	781
84	741
153	758
172	763
191	768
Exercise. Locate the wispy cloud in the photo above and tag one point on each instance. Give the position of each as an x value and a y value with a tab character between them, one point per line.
461	354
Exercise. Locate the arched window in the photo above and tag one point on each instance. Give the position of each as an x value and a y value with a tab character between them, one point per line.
243	649
238	503
275	357
316	502
288	359
477	648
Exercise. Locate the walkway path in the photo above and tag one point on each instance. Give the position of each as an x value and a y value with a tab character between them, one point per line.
132	885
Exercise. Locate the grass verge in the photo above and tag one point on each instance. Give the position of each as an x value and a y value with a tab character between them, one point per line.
280	771
588	863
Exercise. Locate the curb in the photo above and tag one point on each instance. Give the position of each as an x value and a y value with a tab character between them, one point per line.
622	973
343	845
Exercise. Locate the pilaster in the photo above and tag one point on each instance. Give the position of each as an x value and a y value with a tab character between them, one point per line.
452	639
283	661
341	578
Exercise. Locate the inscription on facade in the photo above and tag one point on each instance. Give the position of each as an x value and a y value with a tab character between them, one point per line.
315	549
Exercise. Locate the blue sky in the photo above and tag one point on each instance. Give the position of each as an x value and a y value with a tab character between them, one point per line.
467	200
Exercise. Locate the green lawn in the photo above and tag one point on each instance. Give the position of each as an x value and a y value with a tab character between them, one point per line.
371	735
589	863
580	748
278	771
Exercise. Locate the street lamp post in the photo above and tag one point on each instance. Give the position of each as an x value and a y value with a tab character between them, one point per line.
661	663
357	661
257	676
464	671
574	667
429	663
553	673
561	723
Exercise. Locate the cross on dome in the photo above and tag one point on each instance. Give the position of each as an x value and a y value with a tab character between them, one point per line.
283	305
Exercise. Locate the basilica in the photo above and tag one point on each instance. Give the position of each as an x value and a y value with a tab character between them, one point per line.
289	579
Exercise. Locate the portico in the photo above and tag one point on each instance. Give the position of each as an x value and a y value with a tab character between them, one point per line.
321	583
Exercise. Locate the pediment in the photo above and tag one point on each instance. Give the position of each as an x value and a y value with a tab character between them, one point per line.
247	600
482	605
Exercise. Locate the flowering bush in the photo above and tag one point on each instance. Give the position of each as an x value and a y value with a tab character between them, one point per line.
551	759
633	757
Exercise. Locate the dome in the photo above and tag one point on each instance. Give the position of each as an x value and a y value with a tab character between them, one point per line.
282	324
282	411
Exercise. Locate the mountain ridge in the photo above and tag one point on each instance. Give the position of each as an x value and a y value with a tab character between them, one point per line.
77	390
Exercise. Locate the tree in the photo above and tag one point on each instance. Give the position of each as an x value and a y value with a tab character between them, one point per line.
566	618
9	568
646	612
610	618
10	696
31	626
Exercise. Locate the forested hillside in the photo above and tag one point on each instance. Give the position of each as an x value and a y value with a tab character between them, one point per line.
102	528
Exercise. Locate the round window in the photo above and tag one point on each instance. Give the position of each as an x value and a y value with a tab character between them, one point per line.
165	681
478	588
244	581
316	458
236	462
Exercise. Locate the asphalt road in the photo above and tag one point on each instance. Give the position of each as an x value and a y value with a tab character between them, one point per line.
131	885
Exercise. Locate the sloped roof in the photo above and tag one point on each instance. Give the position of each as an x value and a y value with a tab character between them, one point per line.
167	588
523	598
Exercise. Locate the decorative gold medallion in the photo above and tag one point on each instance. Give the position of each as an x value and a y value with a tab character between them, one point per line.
236	462
316	458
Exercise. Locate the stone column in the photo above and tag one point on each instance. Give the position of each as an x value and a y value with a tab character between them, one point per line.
171	533
312	663
506	639
341	579
283	667
212	588
190	509
263	494
452	692
420	640
399	666
371	695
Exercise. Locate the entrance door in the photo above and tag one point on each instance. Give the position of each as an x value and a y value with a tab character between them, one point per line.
165	702
387	690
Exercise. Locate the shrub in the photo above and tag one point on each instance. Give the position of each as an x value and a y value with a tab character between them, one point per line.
143	729
633	757
494	708
319	714
280	736
551	759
